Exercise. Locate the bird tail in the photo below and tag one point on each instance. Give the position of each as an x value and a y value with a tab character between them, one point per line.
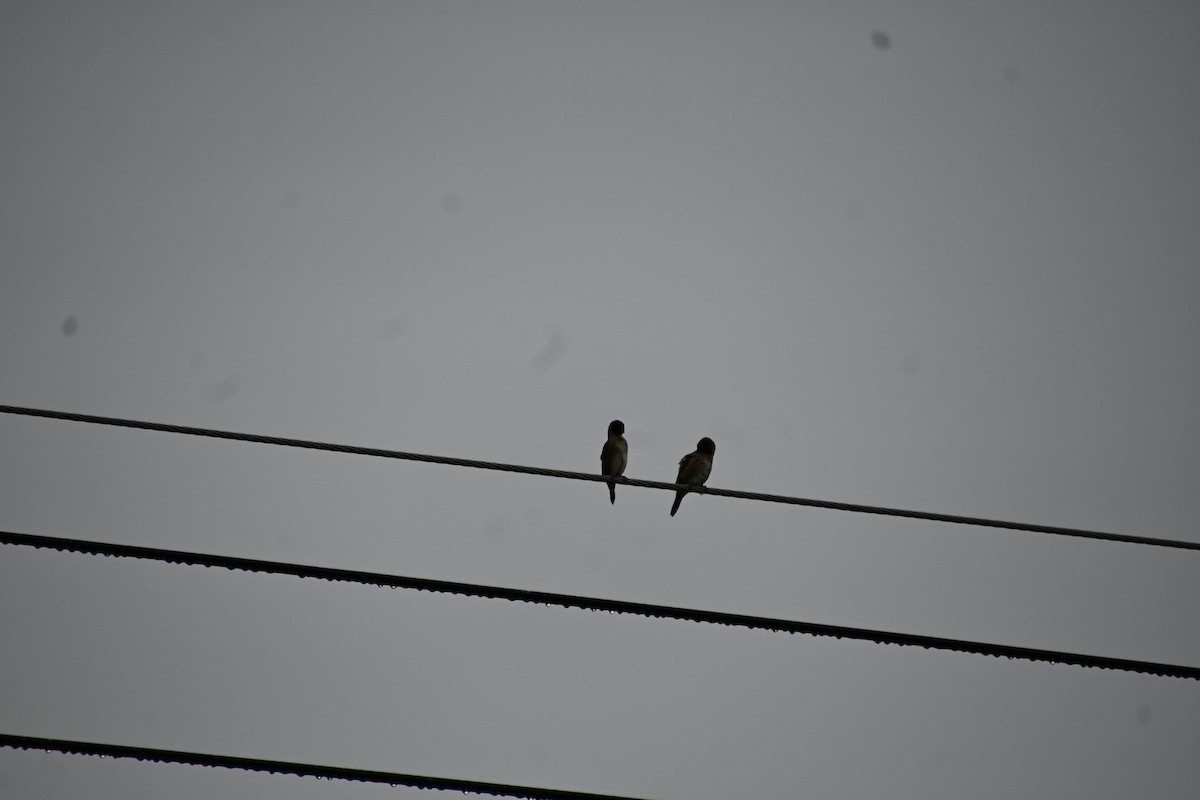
678	500
612	492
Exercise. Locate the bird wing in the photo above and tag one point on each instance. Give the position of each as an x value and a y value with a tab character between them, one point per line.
612	458
694	468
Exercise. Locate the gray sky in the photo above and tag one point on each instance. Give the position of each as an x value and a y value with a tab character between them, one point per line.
929	255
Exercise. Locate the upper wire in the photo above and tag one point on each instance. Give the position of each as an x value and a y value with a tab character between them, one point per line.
587	476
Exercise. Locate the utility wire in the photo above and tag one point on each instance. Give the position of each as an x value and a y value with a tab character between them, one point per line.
293	768
587	476
596	604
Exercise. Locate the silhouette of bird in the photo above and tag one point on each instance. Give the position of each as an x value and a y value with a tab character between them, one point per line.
614	456
694	469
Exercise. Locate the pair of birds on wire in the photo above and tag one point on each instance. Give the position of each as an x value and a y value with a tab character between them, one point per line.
694	468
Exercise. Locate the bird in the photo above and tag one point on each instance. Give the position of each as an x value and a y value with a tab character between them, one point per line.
694	469
614	456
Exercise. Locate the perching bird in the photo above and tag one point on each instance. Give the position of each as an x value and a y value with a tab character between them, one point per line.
614	456
694	469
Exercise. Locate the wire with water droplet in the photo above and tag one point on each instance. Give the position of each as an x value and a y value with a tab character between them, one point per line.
595	604
293	768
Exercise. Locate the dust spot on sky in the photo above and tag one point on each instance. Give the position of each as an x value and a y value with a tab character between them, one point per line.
15	13
1012	74
69	326
881	40
1144	713
223	390
285	542
392	328
551	352
785	428
593	561
1133	217
451	203
911	364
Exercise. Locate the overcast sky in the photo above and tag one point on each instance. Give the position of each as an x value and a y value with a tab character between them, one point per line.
934	255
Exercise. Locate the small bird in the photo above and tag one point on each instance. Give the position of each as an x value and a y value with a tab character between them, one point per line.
694	469
614	456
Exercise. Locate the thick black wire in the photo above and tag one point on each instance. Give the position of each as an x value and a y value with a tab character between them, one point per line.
596	604
587	476
293	768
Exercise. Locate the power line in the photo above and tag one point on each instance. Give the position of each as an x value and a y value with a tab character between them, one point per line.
587	476
596	604
293	768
